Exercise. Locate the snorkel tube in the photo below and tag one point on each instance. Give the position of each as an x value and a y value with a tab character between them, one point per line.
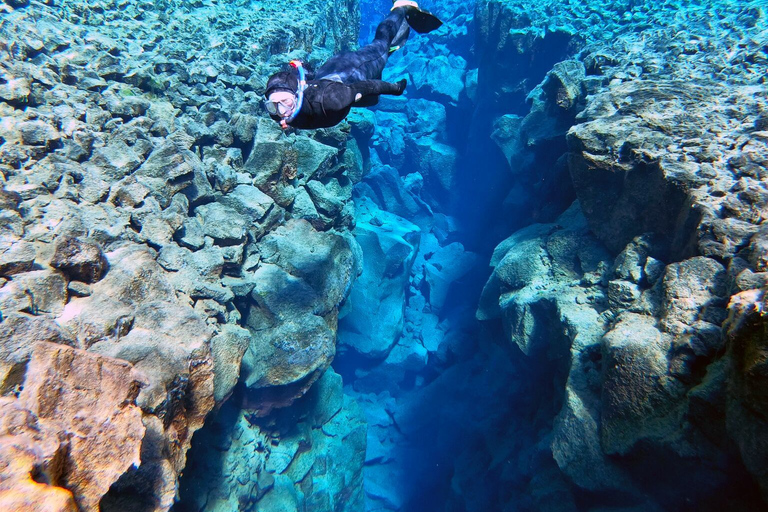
299	94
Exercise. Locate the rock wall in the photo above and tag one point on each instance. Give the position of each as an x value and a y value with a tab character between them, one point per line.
305	457
644	297
163	242
610	152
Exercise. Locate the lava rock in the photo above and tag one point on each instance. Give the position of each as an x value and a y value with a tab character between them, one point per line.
81	260
17	258
38	133
222	223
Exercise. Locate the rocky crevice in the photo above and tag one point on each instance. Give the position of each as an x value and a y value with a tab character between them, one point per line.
637	233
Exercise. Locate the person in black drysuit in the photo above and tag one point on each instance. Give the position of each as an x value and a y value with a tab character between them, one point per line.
350	79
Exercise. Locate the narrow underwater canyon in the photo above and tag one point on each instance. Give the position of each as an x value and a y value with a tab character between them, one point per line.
535	282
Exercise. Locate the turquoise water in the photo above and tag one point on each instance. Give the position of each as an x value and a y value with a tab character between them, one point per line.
536	281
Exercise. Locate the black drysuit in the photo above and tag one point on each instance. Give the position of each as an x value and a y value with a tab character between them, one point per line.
332	92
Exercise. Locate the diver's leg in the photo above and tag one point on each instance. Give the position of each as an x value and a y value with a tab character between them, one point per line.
376	88
368	62
394	30
367	92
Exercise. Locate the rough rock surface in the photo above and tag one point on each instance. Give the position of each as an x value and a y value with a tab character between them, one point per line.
308	456
661	144
75	425
143	197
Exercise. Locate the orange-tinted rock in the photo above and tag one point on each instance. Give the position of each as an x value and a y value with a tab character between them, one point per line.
19	457
79	410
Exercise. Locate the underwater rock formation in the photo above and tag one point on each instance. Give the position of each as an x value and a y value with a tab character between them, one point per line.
75	426
174	269
152	218
662	155
622	154
309	456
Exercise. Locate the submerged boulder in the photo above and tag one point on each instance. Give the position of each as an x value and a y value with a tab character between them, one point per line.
81	407
374	317
303	278
80	259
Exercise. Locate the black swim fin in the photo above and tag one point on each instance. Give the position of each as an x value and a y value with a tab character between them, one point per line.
422	21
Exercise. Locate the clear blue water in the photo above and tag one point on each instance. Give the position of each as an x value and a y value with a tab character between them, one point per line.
548	227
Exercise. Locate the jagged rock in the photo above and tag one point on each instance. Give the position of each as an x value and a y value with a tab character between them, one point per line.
243	126
38	133
747	402
325	261
635	406
315	159
11	226
304	208
127	106
325	446
227	350
444	267
437	164
191	283
115	160
134	314
249	202
758	250
441	77
78	289
373	318
84	400
158	226
171	168
17	258
362	123
428	117
192	235
46	289
651	189
225	178
326	197
9	200
383	185
15	89
123	164
694	297
272	161
128	192
222	223
278	300
19	332
21	457
80	259
303	277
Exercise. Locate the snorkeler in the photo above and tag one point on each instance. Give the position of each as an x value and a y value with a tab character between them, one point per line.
350	79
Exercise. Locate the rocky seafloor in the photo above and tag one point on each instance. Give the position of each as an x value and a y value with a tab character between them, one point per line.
172	265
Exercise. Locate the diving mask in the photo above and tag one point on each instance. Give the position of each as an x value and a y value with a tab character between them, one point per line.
281	103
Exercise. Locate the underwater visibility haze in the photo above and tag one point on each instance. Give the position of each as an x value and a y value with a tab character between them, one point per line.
523	269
